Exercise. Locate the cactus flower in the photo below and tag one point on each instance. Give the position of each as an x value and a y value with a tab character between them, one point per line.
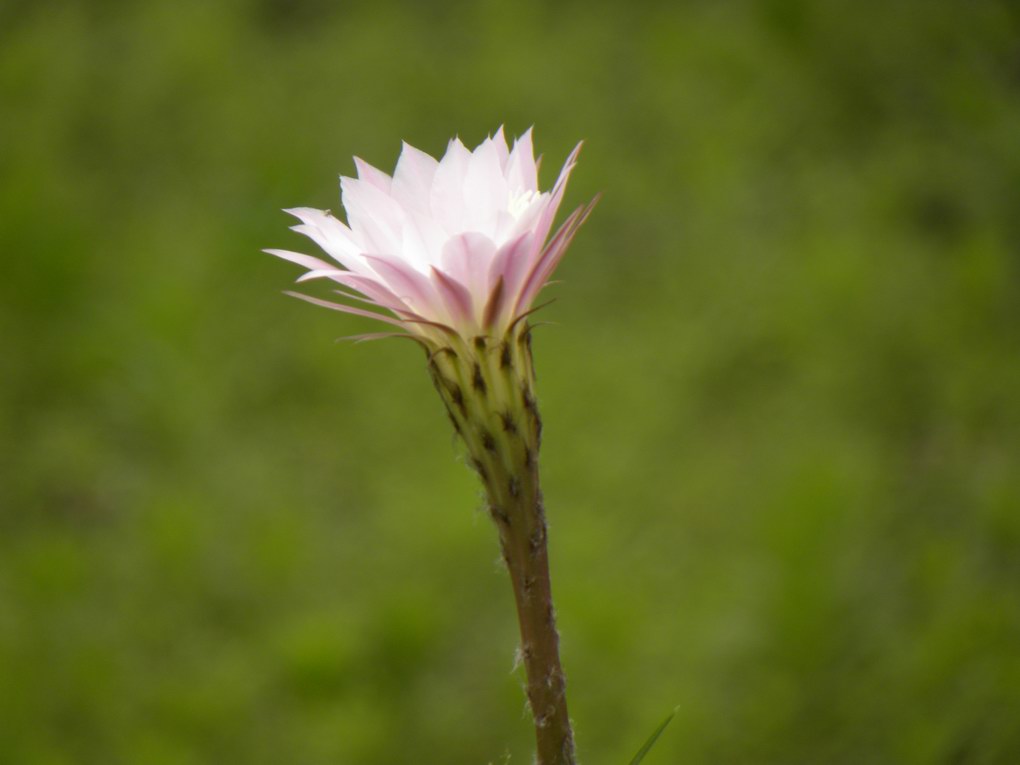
457	244
454	252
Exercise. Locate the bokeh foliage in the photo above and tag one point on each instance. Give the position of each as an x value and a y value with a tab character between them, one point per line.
782	394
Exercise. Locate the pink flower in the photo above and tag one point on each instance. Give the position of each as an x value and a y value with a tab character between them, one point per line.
456	245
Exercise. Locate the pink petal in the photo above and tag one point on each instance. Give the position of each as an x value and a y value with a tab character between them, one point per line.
456	298
302	260
494	306
543	269
346	308
413	289
548	214
509	265
370	288
467	257
379	294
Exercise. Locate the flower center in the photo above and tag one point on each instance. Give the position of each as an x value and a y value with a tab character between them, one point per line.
521	201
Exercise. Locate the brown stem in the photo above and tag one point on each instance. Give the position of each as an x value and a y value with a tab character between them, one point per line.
527	559
487	385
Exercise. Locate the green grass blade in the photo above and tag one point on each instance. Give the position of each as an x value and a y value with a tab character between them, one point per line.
652	739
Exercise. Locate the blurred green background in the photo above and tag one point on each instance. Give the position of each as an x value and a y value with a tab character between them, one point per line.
781	394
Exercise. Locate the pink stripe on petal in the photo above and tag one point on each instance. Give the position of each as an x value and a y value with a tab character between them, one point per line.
494	306
372	291
402	313
379	293
510	265
553	253
406	283
455	296
346	308
360	298
548	215
300	259
528	288
467	258
370	336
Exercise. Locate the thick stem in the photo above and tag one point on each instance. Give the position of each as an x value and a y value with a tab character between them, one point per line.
488	387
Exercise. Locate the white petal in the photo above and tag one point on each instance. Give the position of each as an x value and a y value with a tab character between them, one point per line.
485	189
373	215
447	195
371	175
502	150
412	180
414	248
522	171
331	235
432	234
